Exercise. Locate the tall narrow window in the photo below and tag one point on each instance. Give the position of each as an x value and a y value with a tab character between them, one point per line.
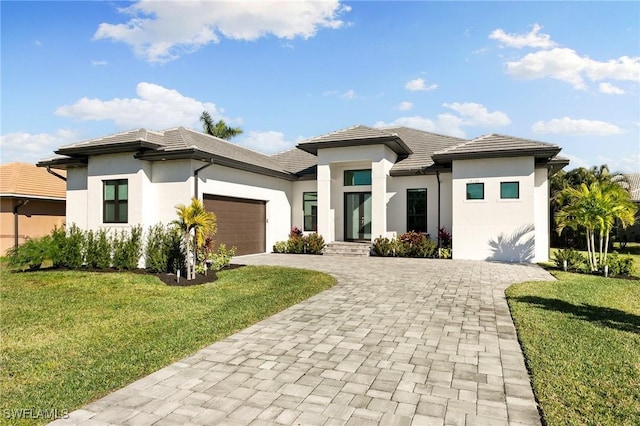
510	190
475	191
310	207
417	210
357	177
115	201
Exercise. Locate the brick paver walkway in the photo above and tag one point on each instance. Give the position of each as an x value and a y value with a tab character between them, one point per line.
395	342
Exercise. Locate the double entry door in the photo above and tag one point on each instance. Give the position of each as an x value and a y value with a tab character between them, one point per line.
357	216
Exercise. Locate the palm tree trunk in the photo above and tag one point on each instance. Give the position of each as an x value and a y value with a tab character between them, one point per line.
593	250
606	247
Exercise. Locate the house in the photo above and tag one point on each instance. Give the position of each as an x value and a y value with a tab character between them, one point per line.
354	184
32	203
632	233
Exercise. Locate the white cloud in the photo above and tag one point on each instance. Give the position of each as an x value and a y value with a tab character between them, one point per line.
156	107
578	127
566	65
419	85
610	89
477	115
37	43
629	164
161	31
30	148
99	63
531	39
404	106
469	115
268	142
349	94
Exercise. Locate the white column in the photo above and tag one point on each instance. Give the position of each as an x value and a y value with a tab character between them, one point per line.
378	199
324	203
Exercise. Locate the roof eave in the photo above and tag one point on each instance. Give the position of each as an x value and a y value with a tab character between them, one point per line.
544	153
396	144
197	154
63	163
115	148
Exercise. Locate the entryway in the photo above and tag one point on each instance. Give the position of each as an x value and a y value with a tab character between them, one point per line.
357	216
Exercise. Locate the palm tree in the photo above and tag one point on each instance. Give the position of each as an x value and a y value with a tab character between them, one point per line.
596	208
195	223
218	129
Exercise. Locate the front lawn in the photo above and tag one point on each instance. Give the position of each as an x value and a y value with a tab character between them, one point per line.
581	339
71	337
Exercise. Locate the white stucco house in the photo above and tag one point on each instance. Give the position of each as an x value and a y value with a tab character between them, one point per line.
354	184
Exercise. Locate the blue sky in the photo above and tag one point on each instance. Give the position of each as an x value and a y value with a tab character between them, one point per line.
559	72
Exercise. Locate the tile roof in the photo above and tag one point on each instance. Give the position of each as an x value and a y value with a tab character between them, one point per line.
423	144
22	179
355	136
494	145
418	151
297	161
634	185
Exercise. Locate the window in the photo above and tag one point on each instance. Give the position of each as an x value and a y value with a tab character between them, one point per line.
310	207
357	177
417	210
475	191
509	190
115	206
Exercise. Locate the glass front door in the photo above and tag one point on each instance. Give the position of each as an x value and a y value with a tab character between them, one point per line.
357	216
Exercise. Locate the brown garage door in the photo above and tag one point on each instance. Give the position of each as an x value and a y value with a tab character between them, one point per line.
241	222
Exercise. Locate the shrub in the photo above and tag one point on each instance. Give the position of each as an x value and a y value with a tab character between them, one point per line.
620	265
575	259
175	251
127	248
416	244
156	249
280	247
444	253
445	238
73	248
32	253
382	246
58	242
295	232
222	258
315	243
97	250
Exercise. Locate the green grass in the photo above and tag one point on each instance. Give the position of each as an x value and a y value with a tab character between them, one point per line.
71	337
581	339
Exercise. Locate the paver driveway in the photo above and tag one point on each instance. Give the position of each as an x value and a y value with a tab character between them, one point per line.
396	341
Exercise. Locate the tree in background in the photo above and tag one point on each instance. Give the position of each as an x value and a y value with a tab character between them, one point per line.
596	208
573	179
218	129
195	223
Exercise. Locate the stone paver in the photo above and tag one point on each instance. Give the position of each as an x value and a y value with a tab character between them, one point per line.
395	341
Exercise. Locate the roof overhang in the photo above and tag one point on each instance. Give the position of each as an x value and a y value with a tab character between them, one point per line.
197	154
114	148
394	143
31	197
556	164
538	153
63	163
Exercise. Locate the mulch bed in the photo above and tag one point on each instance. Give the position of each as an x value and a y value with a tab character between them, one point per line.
168	279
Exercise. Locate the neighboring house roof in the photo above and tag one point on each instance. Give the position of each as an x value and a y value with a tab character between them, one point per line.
28	181
495	145
419	152
634	185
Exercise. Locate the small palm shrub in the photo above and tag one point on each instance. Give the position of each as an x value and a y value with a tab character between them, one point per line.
382	246
575	260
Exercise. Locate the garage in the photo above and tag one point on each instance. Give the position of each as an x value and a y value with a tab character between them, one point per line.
241	222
